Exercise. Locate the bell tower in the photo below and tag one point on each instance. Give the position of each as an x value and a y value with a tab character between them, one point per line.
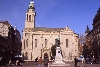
30	16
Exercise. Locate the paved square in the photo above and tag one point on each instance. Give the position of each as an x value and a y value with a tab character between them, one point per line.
79	64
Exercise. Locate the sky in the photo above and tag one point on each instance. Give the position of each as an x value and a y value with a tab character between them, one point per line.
76	14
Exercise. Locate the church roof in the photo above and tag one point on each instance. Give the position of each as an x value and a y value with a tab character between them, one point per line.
44	29
5	22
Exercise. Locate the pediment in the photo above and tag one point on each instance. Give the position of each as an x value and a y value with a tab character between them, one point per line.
27	30
67	29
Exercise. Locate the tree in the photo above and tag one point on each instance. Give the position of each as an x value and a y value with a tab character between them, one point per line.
81	43
81	38
85	51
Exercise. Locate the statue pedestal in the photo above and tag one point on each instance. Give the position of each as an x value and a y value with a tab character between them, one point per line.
58	59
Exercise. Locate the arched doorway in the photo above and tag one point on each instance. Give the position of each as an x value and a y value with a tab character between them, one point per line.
46	58
26	56
45	51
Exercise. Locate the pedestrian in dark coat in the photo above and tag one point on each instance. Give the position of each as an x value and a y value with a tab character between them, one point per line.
40	62
36	60
75	62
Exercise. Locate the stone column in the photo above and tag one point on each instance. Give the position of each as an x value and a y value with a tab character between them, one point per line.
51	39
30	41
41	41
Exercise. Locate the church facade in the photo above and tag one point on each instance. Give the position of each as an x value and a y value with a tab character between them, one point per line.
36	41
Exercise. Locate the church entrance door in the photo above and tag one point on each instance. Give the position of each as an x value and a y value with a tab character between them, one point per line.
46	58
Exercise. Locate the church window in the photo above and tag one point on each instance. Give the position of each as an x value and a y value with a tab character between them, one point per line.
45	42
66	42
29	17
31	55
27	43
35	42
26	54
32	41
32	44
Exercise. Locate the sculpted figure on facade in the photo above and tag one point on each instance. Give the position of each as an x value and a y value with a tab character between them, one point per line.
31	4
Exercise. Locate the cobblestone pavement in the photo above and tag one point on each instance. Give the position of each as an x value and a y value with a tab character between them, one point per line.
79	64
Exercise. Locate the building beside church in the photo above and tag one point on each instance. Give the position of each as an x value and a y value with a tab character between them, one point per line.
10	41
93	36
36	41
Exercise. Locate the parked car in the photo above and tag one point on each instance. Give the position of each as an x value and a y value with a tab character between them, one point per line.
81	59
87	61
91	60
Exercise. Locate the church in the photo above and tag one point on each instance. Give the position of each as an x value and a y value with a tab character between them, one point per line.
36	41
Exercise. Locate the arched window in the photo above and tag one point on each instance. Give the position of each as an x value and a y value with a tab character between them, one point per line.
45	42
26	54
29	17
35	42
27	43
66	42
31	55
32	43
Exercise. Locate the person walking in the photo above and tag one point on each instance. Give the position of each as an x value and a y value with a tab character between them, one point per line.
40	62
17	62
75	62
36	60
10	62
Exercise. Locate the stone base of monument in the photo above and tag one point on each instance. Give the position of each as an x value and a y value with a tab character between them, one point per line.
58	59
59	63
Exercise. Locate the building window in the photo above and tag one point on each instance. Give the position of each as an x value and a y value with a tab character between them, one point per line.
26	54
32	41
45	42
66	42
27	43
24	44
32	44
35	42
29	17
31	55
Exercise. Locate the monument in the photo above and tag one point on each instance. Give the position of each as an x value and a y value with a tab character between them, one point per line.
58	58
